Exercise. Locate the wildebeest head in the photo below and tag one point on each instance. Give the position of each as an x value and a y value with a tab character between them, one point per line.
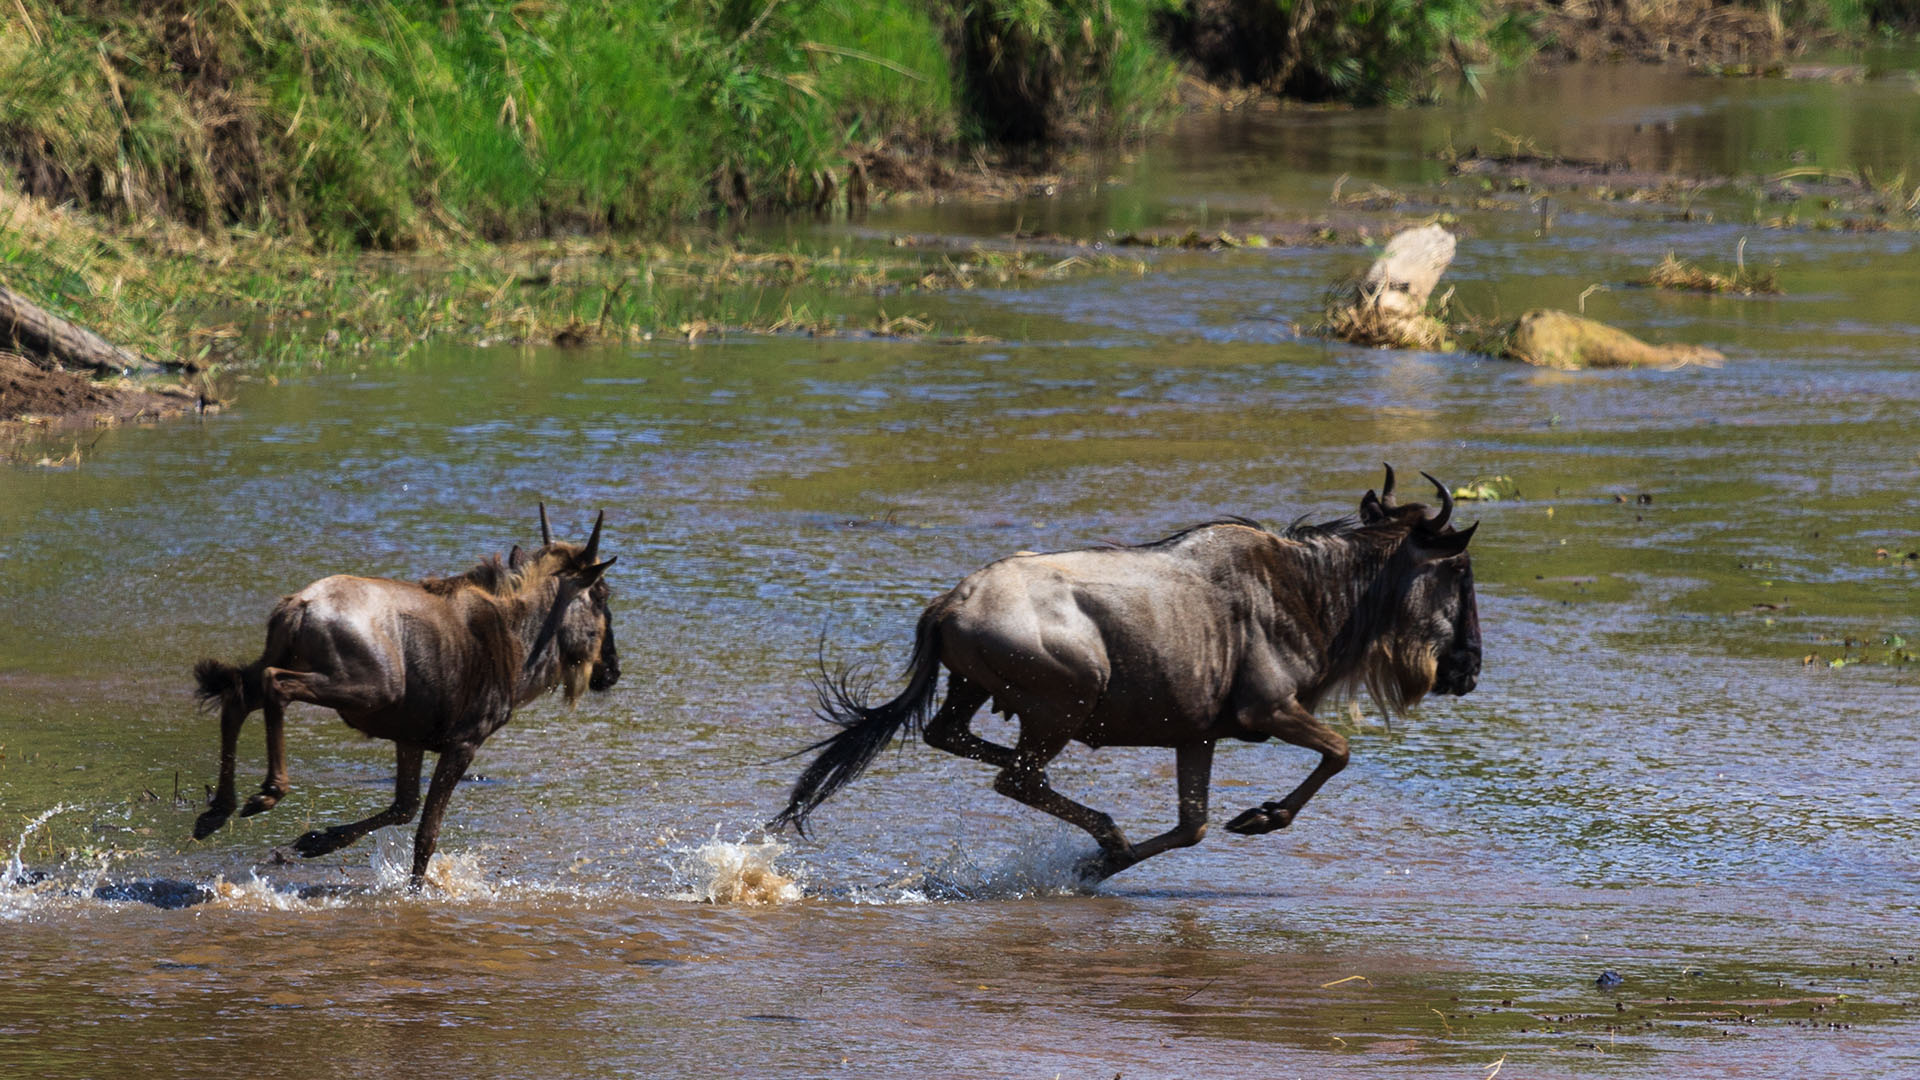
581	628
1433	643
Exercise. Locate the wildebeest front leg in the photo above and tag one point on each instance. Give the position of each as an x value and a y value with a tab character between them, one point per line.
446	776
406	800
1194	765
233	716
1295	725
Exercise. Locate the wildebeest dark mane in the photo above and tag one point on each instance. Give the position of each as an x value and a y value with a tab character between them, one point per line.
1363	652
490	575
1301	529
1174	538
493	576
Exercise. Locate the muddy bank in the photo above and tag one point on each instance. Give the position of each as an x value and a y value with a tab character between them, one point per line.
37	396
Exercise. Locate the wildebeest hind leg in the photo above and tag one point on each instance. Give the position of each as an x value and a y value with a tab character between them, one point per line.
1299	727
275	786
233	716
1026	780
1195	770
951	730
406	800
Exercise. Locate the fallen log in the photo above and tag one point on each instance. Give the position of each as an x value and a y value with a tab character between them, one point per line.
1567	342
52	341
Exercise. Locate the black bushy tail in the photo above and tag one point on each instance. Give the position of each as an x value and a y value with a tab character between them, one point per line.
865	730
221	683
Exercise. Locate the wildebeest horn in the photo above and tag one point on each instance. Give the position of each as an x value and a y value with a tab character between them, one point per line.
593	542
1446	504
1386	487
546	530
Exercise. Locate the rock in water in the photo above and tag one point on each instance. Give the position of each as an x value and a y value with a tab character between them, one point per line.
1557	339
1389	305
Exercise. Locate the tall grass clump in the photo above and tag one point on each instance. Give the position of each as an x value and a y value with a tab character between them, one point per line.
208	111
1037	71
632	113
1365	51
377	124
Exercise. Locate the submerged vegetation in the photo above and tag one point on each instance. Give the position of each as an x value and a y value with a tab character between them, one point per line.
1675	273
179	296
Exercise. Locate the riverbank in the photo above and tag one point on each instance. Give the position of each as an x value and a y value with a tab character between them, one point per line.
274	187
406	123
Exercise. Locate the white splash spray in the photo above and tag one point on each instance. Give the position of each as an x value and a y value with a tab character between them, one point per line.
735	872
453	875
1043	866
16	872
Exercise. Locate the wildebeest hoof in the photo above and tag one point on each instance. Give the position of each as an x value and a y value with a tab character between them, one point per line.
259	804
1261	819
1098	867
319	842
209	823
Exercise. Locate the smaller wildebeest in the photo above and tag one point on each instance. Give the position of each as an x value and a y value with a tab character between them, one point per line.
435	665
1222	631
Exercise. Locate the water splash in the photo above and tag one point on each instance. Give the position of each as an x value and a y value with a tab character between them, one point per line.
735	872
15	874
453	875
260	894
18	895
1044	866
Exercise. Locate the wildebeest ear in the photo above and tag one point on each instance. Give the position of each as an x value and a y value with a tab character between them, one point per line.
516	558
1447	545
592	574
1370	509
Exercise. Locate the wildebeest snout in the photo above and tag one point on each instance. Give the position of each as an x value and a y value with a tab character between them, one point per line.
606	670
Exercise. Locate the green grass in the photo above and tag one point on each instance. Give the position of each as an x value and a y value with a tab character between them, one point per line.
386	123
240	301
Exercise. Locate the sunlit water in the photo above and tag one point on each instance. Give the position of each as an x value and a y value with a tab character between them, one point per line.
1663	774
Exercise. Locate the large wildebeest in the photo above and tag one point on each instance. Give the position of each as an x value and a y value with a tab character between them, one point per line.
1223	631
435	665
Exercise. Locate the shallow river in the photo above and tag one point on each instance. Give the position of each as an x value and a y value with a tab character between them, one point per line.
1664	773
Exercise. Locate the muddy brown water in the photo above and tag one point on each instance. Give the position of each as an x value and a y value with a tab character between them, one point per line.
1653	779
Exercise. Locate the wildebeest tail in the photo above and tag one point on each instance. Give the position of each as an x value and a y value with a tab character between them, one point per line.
865	730
221	682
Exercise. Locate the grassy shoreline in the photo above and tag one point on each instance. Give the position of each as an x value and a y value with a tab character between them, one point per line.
393	124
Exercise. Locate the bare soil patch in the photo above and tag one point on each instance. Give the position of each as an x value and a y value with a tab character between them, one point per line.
35	395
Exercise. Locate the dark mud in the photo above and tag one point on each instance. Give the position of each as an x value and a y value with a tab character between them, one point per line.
35	395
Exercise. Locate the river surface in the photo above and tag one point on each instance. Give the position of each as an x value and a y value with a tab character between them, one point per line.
1690	760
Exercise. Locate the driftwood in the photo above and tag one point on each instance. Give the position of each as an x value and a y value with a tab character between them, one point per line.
51	341
1557	339
1389	305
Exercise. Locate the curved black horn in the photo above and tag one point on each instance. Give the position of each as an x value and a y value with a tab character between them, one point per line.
593	542
546	530
1386	488
1446	504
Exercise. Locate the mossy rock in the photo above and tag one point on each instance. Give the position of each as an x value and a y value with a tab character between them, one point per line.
1557	339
